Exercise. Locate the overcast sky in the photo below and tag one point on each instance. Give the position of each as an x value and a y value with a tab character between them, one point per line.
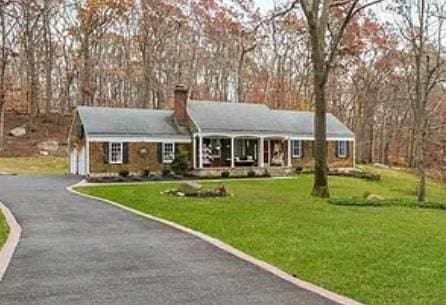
265	4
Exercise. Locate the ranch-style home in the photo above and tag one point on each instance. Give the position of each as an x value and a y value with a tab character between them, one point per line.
217	136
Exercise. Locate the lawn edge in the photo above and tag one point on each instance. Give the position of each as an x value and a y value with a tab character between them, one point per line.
85	183
340	299
9	247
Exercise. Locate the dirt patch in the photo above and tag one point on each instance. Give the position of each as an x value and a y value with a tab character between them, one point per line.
43	129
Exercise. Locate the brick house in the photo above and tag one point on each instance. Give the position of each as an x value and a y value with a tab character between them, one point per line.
217	136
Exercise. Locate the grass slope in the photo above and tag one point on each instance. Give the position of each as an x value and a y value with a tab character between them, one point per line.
34	165
4	230
383	256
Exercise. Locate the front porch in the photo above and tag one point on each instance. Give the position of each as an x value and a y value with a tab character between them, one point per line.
220	152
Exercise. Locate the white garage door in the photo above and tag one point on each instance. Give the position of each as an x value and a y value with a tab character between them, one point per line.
81	170
73	161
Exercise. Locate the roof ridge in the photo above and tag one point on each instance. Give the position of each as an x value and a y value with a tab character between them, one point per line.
229	103
122	108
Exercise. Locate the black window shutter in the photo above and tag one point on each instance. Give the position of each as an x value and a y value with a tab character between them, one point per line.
160	152
302	149
337	149
105	151
125	152
347	144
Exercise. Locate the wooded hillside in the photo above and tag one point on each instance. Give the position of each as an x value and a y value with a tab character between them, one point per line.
57	54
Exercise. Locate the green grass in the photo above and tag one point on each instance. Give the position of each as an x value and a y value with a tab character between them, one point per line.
4	230
34	165
391	255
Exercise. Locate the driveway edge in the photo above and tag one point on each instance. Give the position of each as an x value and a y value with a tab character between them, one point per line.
340	299
15	231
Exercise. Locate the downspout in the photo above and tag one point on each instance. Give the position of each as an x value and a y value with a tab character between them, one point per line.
87	154
354	153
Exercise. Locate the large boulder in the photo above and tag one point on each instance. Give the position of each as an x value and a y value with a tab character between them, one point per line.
189	188
18	131
374	197
381	166
50	146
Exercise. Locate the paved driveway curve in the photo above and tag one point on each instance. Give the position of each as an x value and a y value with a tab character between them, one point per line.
80	251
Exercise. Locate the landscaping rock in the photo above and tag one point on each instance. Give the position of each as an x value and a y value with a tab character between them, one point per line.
18	131
374	197
136	179
44	153
7	174
189	188
381	166
50	146
155	177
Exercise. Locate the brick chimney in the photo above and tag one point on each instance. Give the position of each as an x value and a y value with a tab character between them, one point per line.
180	104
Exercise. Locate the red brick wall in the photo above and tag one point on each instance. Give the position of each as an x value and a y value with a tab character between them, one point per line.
307	161
141	156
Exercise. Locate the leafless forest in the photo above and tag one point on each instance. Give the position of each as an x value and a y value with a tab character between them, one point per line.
386	80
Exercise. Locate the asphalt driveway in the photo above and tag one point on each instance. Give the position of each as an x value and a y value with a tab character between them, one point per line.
80	251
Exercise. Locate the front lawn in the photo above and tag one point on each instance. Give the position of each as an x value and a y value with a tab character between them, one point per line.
34	165
377	255
4	230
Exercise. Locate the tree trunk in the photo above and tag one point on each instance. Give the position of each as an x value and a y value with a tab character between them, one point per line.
86	88
48	58
422	172
320	187
2	123
419	108
4	57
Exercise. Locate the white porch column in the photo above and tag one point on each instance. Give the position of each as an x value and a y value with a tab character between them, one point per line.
289	152
200	151
194	151
232	153
261	151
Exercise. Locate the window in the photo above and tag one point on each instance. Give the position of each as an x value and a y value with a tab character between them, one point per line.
342	149
296	148
168	152
115	150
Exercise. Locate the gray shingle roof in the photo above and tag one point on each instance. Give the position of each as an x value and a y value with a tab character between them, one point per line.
232	117
102	121
210	117
299	123
258	118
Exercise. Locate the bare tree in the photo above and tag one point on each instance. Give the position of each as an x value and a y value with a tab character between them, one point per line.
427	59
7	26
325	37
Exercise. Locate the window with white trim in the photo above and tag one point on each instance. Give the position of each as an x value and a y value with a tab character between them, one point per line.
168	152
296	148
115	151
342	149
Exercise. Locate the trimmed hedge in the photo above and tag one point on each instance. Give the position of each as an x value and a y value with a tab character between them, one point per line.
357	174
401	202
